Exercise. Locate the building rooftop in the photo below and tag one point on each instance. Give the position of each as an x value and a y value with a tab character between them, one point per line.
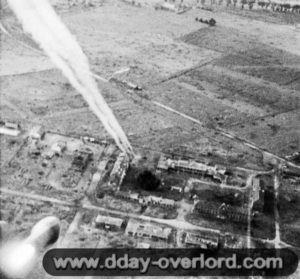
198	238
167	163
109	220
148	229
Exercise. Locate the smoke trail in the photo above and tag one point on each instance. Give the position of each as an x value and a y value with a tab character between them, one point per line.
41	21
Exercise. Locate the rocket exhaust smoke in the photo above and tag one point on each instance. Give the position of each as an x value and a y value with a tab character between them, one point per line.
41	21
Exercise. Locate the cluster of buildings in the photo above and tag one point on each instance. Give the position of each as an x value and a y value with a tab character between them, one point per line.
80	157
146	200
222	211
134	228
156	232
217	173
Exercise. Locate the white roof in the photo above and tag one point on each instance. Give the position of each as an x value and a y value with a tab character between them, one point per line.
10	132
150	229
134	196
143	245
291	2
109	220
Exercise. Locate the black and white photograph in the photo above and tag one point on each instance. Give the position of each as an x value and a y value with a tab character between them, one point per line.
149	139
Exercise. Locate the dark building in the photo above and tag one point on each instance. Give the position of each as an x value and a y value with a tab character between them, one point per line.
222	211
81	159
201	240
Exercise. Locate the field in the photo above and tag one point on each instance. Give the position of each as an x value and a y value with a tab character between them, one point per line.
243	83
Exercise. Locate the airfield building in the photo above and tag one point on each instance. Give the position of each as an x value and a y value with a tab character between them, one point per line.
119	170
201	240
221	211
12	125
109	223
155	232
216	172
147	200
153	200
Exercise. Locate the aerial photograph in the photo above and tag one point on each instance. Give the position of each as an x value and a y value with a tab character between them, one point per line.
148	125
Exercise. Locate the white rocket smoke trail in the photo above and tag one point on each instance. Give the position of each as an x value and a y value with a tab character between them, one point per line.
41	21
